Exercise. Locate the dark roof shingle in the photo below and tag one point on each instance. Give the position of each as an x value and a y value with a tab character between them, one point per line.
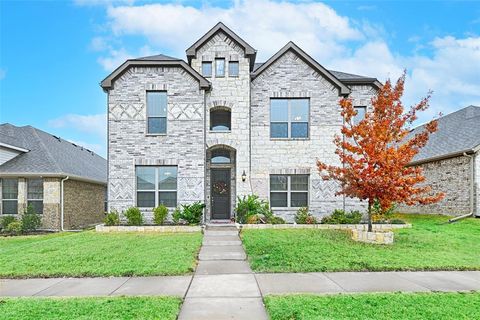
457	132
49	154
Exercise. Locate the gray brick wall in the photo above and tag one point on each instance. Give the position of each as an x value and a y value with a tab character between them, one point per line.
289	76
128	143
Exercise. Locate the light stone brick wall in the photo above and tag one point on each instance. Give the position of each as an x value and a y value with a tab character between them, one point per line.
83	204
451	176
289	76
233	93
477	184
128	143
51	203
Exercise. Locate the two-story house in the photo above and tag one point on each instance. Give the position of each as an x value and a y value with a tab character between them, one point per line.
221	125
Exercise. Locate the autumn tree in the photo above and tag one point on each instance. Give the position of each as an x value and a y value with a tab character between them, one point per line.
376	151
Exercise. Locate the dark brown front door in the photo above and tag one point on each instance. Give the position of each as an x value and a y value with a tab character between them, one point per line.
220	193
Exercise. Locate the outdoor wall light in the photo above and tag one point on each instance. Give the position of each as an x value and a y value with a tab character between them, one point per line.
244	176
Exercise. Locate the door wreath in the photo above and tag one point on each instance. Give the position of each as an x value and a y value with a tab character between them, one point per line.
220	187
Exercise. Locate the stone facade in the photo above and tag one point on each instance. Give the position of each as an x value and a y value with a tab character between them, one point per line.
451	176
189	142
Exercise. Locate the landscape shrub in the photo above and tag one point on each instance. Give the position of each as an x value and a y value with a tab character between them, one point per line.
30	220
379	214
397	221
190	213
253	219
341	217
112	218
160	214
14	227
251	205
134	216
275	220
5	221
304	217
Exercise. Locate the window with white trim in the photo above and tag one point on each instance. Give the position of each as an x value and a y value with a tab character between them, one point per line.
361	111
9	196
233	69
207	68
288	191
156	112
156	186
289	118
220	67
35	194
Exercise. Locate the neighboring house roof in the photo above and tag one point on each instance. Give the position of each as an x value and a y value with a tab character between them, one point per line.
458	133
154	61
290	46
48	155
249	50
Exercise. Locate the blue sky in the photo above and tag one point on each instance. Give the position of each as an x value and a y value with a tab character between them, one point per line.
53	54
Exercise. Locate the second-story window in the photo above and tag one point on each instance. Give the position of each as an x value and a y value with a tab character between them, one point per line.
361	111
156	112
220	67
289	118
220	120
233	68
207	68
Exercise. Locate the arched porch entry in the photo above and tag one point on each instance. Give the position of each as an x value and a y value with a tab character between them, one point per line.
221	186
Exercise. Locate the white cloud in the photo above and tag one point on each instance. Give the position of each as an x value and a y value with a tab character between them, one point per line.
450	69
95	124
101	2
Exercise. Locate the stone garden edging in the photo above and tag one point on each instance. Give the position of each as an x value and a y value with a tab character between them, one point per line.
363	227
159	229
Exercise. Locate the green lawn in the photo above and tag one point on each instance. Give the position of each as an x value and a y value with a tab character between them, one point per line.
90	308
431	244
98	254
421	306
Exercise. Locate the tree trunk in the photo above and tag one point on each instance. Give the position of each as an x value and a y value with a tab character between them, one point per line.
369	216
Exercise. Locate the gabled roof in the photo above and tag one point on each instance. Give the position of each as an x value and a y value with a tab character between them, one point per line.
458	133
290	46
48	155
249	50
154	61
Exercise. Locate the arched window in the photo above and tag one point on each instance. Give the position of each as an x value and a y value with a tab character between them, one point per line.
220	120
220	156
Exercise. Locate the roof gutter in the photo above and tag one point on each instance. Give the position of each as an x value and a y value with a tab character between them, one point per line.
472	189
443	157
9	146
51	175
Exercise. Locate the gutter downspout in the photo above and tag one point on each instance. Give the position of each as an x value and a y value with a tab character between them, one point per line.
472	190
61	203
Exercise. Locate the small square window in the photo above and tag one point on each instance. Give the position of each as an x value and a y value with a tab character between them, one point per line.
220	67
207	68
233	69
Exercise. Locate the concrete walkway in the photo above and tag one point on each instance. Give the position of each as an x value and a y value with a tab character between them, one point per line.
224	286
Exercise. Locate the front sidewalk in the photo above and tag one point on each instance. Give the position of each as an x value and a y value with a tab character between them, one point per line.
269	283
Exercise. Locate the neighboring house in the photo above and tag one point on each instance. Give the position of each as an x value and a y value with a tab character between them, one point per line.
222	126
451	164
57	178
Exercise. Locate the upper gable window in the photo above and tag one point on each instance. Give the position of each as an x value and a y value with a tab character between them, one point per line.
156	112
207	68
289	118
233	68
361	111
220	67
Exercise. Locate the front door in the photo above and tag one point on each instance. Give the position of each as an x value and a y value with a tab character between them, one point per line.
220	192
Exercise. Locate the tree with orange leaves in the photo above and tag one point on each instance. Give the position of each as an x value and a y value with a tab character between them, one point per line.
376	151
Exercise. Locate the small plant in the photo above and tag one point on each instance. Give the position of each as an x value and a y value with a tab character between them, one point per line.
341	217
30	220
397	221
5	221
190	213
134	216
160	214
276	220
251	205
176	215
253	219
14	227
379	214
304	217
112	218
